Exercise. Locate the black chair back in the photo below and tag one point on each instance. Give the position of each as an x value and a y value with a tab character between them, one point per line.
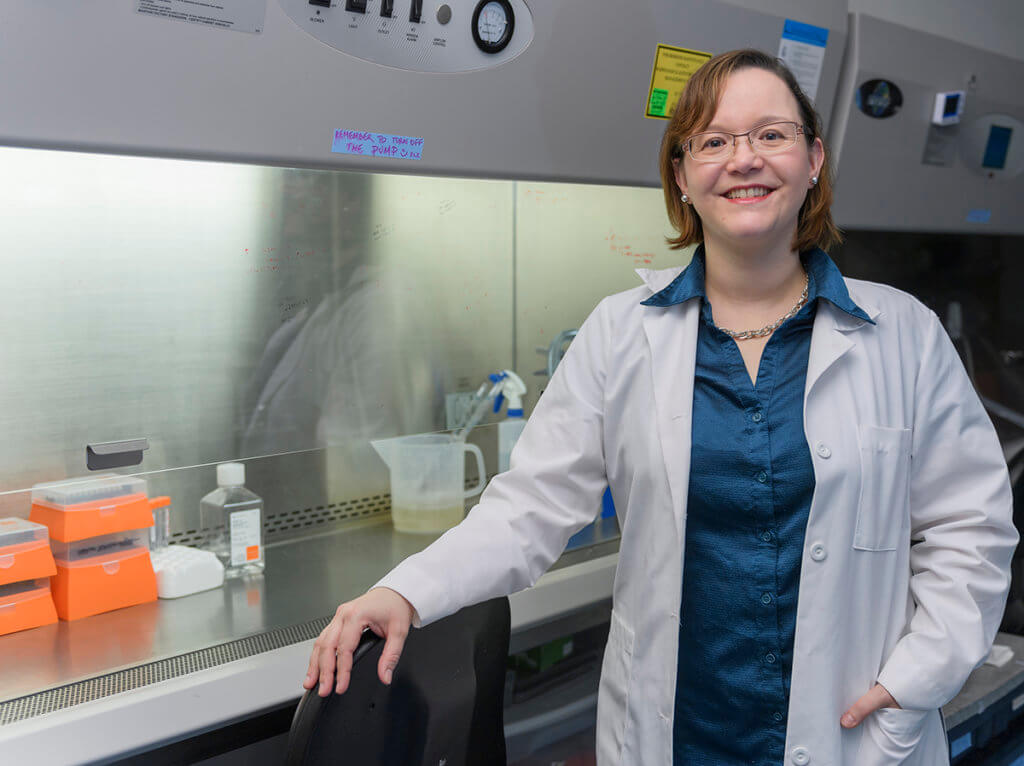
444	706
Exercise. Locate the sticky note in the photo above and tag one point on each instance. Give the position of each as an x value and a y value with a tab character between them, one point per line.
383	145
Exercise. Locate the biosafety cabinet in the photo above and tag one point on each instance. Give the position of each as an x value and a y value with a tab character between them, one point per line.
275	230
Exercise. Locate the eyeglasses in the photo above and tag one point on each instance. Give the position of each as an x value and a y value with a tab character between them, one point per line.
719	146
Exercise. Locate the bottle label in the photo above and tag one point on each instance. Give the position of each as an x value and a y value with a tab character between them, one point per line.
245	537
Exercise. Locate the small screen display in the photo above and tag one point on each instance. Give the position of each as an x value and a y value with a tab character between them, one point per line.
952	100
997	147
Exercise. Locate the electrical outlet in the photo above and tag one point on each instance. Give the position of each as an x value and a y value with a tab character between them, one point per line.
457	408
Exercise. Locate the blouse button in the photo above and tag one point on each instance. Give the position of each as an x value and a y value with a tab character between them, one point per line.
756	417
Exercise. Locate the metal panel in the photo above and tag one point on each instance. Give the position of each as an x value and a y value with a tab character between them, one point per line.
994	27
100	77
883	181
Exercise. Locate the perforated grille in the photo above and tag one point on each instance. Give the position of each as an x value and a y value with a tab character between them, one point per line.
154	672
285	524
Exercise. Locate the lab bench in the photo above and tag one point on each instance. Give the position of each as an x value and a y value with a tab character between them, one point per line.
159	682
140	679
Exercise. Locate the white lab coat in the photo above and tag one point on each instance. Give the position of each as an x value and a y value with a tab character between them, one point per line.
908	542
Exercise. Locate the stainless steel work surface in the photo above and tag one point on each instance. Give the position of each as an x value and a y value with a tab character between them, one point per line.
987	684
304	581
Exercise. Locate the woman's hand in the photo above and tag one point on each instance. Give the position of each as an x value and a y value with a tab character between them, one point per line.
383	611
878	697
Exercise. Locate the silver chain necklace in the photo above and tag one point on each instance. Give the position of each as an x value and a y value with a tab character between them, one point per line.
768	329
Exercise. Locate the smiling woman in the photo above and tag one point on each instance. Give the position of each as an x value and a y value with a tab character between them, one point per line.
694	114
769	607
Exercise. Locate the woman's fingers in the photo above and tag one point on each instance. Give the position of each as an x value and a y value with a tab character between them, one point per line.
396	634
386	612
877	697
328	648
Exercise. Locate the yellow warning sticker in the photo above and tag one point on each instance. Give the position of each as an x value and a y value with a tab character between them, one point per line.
673	68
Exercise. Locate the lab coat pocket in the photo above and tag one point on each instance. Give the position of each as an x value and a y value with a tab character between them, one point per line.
613	701
891	736
882	512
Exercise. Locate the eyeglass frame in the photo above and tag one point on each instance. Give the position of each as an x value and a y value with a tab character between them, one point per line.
687	147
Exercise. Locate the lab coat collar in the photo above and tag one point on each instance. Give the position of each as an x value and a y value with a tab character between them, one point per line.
678	285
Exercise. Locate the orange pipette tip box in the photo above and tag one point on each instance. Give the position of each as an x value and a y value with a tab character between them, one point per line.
103	583
26	605
75	509
24	551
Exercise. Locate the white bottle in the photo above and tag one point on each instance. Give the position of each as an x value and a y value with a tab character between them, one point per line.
232	518
510	428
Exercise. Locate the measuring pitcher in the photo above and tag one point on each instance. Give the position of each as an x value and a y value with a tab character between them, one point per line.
428	479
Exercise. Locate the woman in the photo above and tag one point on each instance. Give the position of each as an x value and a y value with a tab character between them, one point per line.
815	513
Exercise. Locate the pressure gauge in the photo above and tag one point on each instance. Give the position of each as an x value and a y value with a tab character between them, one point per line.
493	22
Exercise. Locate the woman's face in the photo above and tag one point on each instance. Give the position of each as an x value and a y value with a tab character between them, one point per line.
773	186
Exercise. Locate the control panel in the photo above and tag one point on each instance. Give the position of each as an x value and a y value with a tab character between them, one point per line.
431	36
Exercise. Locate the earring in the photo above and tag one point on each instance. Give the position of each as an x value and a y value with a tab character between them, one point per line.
814	180
685	199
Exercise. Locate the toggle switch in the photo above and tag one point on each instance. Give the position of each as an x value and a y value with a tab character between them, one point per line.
355	6
387	8
416	11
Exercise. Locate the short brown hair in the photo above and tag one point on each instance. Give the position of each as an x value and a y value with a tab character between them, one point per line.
694	112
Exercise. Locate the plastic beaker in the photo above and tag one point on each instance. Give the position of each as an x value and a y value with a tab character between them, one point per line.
428	479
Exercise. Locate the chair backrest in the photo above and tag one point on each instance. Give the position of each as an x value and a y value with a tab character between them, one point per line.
444	706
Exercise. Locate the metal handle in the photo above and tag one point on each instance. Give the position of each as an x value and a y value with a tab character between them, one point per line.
106	455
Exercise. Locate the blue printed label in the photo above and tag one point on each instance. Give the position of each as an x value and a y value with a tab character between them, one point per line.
980	215
377	145
805	33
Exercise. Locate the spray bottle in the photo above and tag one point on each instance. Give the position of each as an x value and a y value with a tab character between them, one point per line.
512	426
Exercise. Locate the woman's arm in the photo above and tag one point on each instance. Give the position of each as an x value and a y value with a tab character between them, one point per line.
962	533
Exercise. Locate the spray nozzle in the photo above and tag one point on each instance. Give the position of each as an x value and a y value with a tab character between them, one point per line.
514	390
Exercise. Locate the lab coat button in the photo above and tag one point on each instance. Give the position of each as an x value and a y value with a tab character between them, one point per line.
800	756
818	552
823	451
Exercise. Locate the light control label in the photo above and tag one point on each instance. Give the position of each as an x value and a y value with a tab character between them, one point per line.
244	533
383	145
673	68
802	48
239	15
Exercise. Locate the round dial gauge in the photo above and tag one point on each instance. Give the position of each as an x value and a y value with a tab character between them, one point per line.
493	23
